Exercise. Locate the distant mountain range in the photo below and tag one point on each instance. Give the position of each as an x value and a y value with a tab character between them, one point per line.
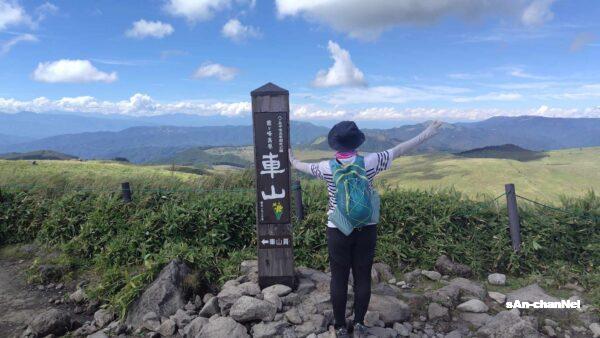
152	143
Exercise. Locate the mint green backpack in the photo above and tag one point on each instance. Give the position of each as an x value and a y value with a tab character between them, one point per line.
357	203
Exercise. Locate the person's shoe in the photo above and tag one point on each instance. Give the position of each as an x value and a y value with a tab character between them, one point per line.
342	332
360	331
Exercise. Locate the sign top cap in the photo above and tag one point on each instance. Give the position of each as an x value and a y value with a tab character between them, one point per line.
269	89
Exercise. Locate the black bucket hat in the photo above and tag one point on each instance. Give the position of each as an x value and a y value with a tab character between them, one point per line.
345	136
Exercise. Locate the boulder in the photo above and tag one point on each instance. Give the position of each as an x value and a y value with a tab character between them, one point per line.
211	307
497	296
385	289
273	299
390	309
475	319
595	328
248	308
249	288
433	275
497	279
436	311
51	322
507	324
293	316
102	317
305	286
78	296
534	293
223	327
469	289
181	318
163	297
473	305
411	277
194	327
167	328
447	267
383	271
447	295
228	295
277	289
268	330
150	321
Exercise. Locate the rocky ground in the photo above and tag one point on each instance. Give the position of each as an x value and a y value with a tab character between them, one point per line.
444	302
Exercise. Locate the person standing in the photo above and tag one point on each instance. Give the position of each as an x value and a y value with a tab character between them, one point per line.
353	212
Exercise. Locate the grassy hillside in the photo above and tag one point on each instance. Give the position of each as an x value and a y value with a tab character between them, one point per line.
570	172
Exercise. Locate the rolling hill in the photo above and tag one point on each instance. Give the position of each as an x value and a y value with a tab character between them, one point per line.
506	151
38	155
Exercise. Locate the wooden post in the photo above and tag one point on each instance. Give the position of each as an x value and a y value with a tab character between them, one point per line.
126	192
297	189
513	216
270	117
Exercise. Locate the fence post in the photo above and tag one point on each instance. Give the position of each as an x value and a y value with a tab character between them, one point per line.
513	216
297	188
126	191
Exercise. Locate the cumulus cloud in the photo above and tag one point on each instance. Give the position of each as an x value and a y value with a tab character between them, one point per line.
137	105
12	14
582	40
153	29
367	19
342	73
537	13
393	94
196	10
8	45
215	70
236	31
311	112
71	71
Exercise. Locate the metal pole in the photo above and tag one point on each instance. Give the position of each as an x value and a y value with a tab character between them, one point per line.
126	192
513	216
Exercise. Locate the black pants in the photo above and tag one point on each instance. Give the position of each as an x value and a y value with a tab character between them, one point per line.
351	252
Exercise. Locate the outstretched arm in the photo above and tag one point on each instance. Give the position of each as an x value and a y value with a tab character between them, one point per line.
407	146
299	165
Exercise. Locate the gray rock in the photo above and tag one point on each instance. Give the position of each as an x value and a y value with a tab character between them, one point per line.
383	270
550	322
447	267
436	311
51	321
85	330
102	317
167	328
305	286
497	296
151	321
390	309
78	296
273	299
194	327
549	331
247	309
454	334
98	334
249	288
534	293
433	275
402	330
507	324
595	328
206	297
181	318
277	289
164	296
293	316
473	305
268	330
371	318
211	307
447	295
469	289
383	332
223	327
385	289
497	279
411	277
228	295
475	319
291	299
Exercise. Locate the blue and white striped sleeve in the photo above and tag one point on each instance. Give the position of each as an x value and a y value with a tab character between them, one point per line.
378	162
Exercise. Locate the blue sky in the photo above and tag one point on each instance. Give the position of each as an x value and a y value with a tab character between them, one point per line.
386	60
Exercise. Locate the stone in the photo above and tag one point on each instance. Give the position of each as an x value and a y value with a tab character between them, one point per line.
293	316
223	327
102	317
382	332
228	295
454	334
549	331
446	295
371	318
247	309
211	307
497	279
447	267
194	327
52	321
167	327
383	270
248	266
98	334
550	322
385	289
78	296
390	309
268	330
374	276
249	288
150	321
469	289
273	299
85	330
473	305
433	275
277	289
436	311
291	299
497	296
181	318
411	277
475	319
595	328
206	297
305	286
507	324
163	296
534	293
402	330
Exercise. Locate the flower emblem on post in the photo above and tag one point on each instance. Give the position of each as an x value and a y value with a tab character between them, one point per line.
278	210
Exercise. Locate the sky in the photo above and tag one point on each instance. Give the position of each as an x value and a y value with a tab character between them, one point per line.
379	61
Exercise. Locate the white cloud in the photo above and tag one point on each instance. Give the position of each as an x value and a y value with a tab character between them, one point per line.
367	19
12	14
153	29
537	13
490	97
8	45
236	31
392	94
196	10
136	105
342	73
521	73
310	112
71	71
215	70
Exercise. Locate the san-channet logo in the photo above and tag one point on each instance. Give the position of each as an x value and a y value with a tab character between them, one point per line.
562	304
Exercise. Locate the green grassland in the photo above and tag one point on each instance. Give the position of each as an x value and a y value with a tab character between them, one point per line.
569	172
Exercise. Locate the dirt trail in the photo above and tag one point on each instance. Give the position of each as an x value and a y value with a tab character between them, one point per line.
19	301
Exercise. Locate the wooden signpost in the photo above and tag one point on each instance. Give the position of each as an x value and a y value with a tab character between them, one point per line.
271	122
